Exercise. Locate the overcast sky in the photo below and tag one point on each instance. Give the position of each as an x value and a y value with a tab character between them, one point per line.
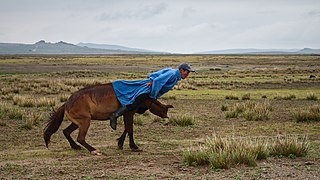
181	26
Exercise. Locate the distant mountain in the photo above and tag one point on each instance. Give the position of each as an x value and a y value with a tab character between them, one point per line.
309	51
263	51
42	47
113	47
61	47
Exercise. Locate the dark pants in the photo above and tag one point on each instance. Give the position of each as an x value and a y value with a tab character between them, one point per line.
139	100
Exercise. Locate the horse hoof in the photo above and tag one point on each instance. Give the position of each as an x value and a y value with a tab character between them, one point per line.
76	147
120	147
96	152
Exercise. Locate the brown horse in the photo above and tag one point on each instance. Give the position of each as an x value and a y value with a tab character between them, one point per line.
97	103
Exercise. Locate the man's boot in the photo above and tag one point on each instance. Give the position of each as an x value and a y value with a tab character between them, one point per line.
115	115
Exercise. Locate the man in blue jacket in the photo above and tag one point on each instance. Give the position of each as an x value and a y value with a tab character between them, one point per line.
132	93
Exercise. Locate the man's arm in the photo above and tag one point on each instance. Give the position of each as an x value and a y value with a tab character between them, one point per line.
159	82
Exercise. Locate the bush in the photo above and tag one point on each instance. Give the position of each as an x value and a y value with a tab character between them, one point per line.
250	111
196	158
223	153
182	121
28	101
231	114
312	114
312	97
246	97
169	97
64	98
224	108
259	112
286	97
232	97
289	146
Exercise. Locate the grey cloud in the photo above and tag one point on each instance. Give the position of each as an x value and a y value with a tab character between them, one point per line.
314	13
140	13
188	12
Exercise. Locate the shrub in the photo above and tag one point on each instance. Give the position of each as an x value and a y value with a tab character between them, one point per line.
15	115
289	146
257	113
196	158
231	114
312	97
64	98
9	90
285	97
232	97
246	97
312	114
10	112
224	108
26	126
223	153
182	121
28	101
250	111
168	97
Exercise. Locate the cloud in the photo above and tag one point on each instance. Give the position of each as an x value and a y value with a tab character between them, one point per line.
173	26
143	12
314	13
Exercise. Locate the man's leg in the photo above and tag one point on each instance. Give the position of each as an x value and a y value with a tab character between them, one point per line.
121	111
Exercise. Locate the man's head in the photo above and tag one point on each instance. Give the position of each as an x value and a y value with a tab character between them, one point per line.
185	69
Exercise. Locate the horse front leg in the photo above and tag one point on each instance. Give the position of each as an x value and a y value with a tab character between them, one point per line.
121	139
128	118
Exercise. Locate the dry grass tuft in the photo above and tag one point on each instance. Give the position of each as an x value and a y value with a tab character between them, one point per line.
311	114
250	111
312	97
285	97
183	120
224	153
28	101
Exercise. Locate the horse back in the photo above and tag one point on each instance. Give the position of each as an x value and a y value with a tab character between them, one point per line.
94	102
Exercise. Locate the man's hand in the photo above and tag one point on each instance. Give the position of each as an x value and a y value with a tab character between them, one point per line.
149	84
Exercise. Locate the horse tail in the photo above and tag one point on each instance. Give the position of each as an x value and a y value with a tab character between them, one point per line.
54	123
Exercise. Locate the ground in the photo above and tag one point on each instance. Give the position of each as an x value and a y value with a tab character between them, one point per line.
23	153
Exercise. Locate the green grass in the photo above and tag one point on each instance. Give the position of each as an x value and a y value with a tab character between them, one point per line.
254	93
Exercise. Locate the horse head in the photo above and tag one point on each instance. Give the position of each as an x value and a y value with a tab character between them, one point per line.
159	109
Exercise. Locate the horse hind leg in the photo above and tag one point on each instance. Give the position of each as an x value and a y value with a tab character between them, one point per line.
72	127
83	129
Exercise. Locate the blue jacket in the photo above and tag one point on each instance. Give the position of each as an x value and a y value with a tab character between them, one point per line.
163	81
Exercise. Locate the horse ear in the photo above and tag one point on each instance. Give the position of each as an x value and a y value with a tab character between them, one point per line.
169	106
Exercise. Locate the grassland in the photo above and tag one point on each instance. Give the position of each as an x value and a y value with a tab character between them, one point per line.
30	86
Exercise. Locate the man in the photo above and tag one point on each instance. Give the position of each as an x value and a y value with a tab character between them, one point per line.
132	93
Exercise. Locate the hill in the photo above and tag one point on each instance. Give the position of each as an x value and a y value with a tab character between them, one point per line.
263	51
61	47
114	47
